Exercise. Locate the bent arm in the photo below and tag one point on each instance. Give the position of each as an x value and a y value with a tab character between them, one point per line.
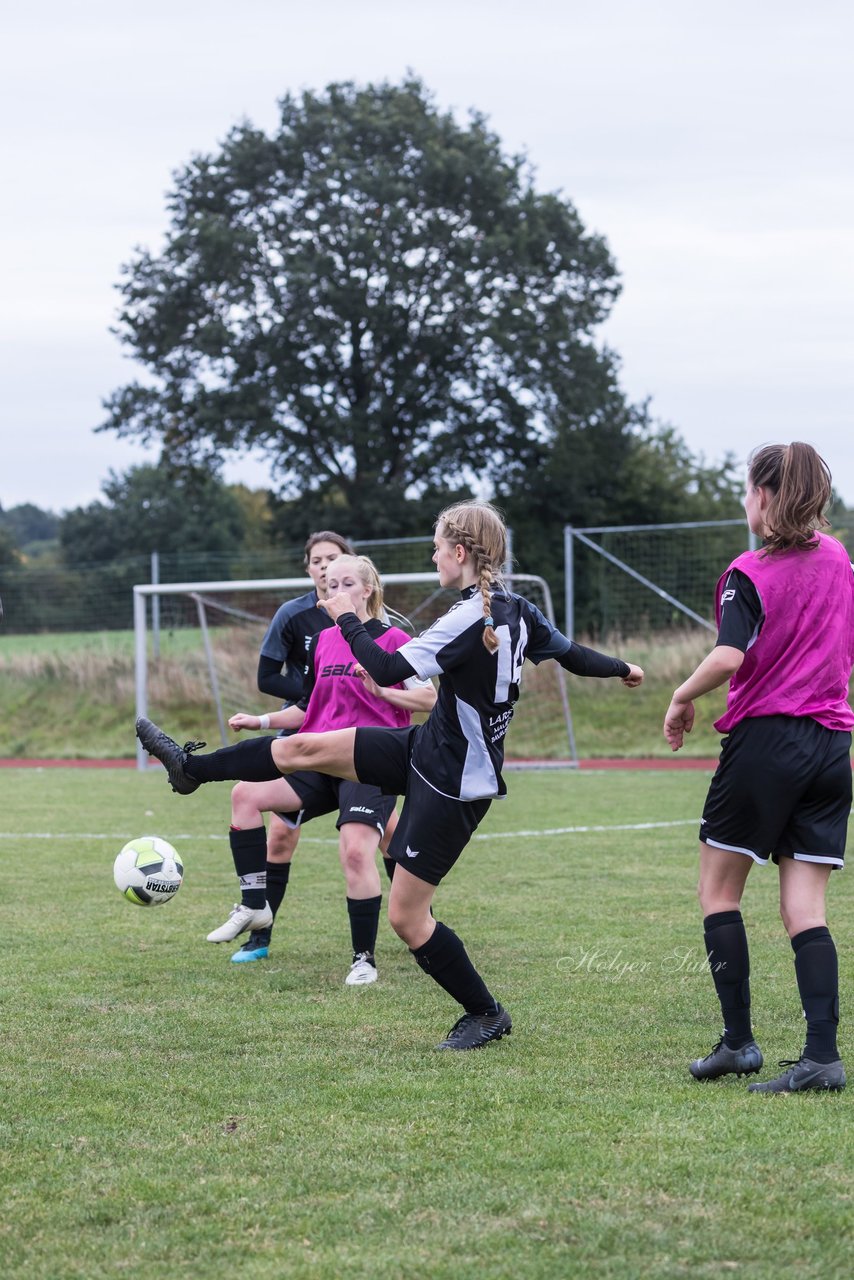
287	718
280	682
421	698
715	669
385	668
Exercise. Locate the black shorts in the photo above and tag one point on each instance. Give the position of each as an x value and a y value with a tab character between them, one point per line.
433	829
782	790
355	801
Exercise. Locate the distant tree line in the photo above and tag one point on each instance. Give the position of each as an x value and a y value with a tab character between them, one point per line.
377	297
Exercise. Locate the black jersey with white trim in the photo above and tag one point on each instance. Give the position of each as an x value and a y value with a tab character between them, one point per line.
459	751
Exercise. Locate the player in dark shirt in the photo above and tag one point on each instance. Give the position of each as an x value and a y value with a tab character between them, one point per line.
449	768
281	671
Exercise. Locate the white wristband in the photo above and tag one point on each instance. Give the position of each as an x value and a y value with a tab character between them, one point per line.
263	722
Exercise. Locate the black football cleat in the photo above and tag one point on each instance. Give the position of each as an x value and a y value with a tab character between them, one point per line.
474	1030
167	751
723	1061
802	1075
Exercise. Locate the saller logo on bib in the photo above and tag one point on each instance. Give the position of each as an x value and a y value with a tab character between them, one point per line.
360	808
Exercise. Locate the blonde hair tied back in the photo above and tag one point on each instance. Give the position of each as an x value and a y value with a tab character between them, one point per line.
479	527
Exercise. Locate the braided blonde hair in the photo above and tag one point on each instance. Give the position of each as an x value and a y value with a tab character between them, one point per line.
367	571
479	528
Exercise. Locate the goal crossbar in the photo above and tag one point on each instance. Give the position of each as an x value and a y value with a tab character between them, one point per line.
143	591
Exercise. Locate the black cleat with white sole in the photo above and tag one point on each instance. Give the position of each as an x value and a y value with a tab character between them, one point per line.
166	750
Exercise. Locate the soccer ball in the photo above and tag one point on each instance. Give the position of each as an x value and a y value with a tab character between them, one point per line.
148	871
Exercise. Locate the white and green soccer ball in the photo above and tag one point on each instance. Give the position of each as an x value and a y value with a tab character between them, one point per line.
148	871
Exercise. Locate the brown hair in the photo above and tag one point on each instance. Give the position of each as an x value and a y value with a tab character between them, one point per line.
799	483
480	528
327	535
367	571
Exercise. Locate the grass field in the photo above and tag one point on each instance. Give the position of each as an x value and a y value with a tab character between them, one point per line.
166	1113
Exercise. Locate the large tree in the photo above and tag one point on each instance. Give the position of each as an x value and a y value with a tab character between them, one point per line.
377	297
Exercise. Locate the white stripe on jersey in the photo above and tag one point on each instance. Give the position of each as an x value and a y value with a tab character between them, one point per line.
479	776
421	652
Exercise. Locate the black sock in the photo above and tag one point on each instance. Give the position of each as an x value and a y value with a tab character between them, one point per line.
249	851
247	761
817	971
278	874
729	962
364	916
444	957
390	865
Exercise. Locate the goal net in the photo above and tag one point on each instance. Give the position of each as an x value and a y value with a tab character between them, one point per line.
197	647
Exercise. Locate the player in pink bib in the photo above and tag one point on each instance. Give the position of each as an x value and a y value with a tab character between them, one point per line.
337	694
782	789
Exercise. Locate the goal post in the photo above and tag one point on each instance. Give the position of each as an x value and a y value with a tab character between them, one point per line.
210	633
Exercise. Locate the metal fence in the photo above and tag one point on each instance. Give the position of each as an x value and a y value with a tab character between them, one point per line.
647	579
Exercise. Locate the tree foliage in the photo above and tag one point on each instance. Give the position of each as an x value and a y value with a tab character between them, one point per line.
375	295
154	509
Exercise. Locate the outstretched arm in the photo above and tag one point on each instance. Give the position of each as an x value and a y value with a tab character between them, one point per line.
582	661
715	669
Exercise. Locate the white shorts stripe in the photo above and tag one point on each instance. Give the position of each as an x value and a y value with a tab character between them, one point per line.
814	857
735	848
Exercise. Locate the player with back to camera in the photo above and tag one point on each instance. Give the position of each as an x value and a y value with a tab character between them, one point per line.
281	670
336	693
783	784
449	768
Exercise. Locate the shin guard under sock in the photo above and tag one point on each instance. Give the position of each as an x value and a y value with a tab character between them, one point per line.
247	761
729	962
444	957
817	972
249	851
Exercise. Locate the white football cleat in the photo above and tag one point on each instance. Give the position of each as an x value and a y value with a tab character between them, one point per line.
241	919
362	971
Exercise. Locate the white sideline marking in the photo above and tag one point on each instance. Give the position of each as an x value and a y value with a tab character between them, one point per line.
491	835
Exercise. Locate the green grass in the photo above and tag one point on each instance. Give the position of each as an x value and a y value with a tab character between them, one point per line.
166	1113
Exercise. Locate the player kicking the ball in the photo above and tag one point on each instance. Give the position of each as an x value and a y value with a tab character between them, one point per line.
449	768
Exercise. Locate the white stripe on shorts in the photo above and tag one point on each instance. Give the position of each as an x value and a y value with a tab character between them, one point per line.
735	848
814	857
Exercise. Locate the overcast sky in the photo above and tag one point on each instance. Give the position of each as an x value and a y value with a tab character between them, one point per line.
709	144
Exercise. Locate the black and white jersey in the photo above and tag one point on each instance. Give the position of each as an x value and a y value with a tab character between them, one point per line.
460	749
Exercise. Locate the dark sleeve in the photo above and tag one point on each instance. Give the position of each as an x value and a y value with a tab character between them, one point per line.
582	661
742	614
309	676
284	683
386	668
547	642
